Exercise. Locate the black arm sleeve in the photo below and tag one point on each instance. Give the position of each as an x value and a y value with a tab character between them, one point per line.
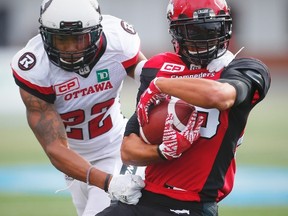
147	75
132	125
242	88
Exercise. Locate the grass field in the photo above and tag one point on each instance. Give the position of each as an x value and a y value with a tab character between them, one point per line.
61	206
265	145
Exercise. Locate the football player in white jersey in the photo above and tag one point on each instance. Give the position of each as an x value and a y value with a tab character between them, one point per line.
70	76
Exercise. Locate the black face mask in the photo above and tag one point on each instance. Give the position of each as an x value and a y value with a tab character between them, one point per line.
202	40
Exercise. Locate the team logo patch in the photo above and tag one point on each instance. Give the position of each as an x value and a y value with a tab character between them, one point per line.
27	61
169	67
102	75
127	27
67	86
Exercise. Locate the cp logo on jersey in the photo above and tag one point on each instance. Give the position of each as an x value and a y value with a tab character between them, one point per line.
67	86
27	61
169	67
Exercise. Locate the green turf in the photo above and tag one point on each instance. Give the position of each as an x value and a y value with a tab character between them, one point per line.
253	211
25	205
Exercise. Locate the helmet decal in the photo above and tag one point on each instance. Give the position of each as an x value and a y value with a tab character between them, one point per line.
95	4
220	3
170	9
45	5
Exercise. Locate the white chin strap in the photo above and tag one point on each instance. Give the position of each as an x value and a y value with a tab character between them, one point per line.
202	51
66	62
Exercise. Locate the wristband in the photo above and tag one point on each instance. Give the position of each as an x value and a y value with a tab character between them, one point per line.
88	175
106	182
160	153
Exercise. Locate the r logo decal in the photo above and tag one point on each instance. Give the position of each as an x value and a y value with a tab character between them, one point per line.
27	61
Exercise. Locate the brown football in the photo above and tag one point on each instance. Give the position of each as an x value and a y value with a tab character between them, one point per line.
152	132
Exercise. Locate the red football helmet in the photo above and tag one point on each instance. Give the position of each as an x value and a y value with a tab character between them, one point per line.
201	30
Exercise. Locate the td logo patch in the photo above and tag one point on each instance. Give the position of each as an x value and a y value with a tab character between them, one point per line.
27	61
102	75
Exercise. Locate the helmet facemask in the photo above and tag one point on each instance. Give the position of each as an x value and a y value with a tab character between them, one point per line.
85	40
202	39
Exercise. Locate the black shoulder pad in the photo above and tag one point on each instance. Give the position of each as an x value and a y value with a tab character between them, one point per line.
255	70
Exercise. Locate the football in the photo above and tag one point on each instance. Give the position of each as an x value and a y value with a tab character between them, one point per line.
152	132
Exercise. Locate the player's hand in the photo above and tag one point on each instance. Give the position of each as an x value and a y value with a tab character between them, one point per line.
174	142
152	95
126	188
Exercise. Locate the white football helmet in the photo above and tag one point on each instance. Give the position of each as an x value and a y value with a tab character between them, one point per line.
71	21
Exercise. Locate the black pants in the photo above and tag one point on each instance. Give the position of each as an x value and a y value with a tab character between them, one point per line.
158	205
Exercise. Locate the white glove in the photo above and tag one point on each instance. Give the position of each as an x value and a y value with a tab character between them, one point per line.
126	188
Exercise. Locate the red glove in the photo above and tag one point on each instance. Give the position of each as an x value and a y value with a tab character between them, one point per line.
174	142
152	95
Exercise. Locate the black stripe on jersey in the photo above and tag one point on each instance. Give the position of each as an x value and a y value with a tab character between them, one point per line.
216	179
50	98
146	76
132	126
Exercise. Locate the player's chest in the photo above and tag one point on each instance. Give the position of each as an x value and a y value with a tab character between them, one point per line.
104	81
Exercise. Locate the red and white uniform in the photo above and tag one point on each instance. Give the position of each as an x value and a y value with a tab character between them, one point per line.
89	107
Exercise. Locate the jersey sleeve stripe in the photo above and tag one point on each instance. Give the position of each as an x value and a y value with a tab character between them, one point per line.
45	93
130	62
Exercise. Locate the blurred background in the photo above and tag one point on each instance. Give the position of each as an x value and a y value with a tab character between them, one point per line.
28	181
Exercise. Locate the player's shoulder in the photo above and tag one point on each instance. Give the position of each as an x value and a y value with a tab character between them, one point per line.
121	37
117	28
253	65
249	63
31	62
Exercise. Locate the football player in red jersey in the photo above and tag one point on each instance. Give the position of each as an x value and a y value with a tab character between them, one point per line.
223	88
70	76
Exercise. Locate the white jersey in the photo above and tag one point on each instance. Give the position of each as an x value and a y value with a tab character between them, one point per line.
90	106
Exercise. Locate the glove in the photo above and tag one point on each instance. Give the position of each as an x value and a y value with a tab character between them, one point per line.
174	142
152	95
126	188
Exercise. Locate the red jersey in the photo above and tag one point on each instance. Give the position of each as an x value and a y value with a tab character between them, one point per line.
205	172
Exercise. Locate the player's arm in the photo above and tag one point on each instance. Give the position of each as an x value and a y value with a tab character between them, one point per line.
200	92
49	129
135	70
238	81
134	151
